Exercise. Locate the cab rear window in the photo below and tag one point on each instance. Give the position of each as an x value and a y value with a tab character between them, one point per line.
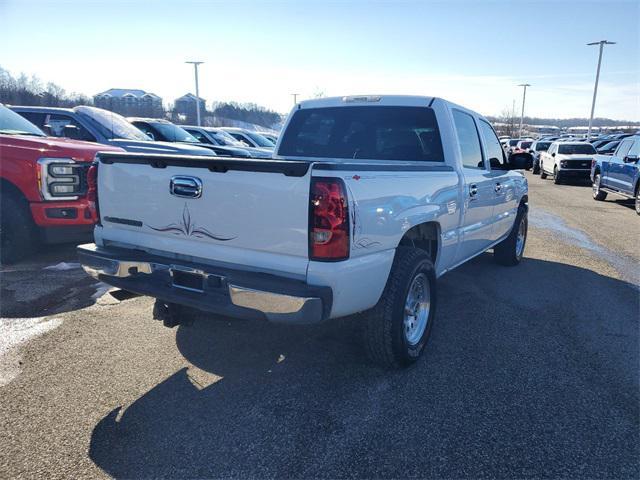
371	132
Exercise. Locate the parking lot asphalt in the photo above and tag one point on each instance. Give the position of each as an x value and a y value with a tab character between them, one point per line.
531	371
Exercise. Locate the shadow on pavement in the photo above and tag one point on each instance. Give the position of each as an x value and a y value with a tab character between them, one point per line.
29	289
530	372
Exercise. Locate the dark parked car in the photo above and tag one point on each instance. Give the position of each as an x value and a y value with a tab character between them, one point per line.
216	136
101	126
164	130
608	148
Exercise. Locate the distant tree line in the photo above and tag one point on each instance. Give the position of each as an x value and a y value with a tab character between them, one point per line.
24	90
246	112
30	90
509	116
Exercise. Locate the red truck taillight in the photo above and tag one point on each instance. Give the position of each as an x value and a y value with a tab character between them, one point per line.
328	220
92	188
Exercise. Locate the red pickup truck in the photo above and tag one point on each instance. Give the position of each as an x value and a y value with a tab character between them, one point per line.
43	187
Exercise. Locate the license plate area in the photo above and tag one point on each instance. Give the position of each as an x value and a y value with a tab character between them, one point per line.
188	280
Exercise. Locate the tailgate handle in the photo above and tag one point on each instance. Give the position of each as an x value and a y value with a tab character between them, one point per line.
186	187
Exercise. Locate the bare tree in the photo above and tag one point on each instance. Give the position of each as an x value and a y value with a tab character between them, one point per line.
508	122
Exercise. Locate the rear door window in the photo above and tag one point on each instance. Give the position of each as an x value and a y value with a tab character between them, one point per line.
241	139
492	146
148	131
61	125
624	148
372	132
38	119
199	136
468	139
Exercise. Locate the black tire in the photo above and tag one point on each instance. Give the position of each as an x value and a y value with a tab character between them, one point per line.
596	192
385	337
557	178
543	174
536	167
18	233
507	252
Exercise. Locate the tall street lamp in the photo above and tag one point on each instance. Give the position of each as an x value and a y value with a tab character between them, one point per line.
195	67
602	43
524	95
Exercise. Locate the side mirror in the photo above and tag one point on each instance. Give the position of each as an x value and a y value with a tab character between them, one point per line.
630	159
150	135
495	164
553	154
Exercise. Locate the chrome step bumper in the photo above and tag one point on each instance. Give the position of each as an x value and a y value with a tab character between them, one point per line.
222	290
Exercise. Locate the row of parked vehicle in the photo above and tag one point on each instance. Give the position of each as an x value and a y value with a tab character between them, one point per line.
610	162
47	152
102	126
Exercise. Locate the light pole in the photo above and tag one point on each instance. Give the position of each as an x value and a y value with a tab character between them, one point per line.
195	67
295	98
602	43
524	96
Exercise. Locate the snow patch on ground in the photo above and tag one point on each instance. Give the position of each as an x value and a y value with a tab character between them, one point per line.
101	289
15	332
63	266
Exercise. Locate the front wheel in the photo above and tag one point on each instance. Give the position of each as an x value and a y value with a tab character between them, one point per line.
510	251
596	192
18	234
638	199
543	174
398	327
557	179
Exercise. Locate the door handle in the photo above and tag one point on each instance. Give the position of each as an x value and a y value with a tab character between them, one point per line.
473	190
498	187
187	187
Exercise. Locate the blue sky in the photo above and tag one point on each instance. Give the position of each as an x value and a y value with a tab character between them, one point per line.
471	52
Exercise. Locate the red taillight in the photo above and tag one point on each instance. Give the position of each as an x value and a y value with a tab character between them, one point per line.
328	220
92	189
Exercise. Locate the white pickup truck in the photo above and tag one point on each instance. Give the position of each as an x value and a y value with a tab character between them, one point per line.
366	202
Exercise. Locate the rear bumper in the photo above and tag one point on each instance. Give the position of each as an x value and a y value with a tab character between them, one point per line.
236	293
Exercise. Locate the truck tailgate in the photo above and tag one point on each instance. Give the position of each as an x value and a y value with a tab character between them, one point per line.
243	212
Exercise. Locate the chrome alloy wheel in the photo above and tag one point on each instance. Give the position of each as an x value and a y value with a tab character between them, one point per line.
596	186
520	239
416	309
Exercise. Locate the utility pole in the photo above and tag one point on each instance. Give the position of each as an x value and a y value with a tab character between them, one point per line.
195	67
295	98
524	96
602	43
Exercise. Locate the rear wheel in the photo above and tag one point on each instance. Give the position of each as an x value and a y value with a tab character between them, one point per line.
536	167
596	192
543	174
638	199
18	234
398	327
510	251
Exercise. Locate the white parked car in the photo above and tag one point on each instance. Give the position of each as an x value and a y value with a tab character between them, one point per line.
567	160
367	201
